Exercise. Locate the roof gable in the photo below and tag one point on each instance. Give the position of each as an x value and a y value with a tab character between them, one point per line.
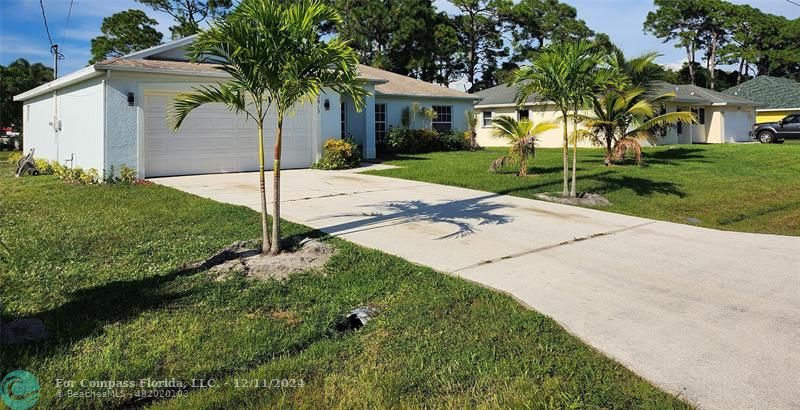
770	92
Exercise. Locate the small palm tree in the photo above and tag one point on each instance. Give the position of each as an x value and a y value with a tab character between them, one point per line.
522	136
629	115
471	119
275	57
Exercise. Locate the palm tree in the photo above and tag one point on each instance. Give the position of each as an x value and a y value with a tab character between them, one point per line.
628	115
274	55
471	119
522	136
564	74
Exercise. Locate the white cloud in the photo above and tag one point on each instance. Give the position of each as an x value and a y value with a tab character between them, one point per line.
461	84
676	65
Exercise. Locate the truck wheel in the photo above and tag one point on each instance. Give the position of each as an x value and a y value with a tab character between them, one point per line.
766	137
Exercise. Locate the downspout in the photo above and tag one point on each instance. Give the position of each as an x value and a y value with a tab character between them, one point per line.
105	122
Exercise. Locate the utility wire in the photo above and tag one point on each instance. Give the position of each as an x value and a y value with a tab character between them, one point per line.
46	27
793	2
69	13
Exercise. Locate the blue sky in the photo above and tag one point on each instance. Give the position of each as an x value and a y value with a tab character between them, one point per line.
22	32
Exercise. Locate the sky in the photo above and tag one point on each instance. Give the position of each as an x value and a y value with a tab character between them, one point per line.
22	30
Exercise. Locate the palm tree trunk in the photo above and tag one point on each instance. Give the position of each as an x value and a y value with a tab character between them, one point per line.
276	189
609	138
573	191
265	242
564	149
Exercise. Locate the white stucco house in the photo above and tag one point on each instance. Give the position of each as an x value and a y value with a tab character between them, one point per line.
113	113
722	118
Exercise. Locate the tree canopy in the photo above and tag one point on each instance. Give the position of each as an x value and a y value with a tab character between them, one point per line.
16	78
188	14
123	33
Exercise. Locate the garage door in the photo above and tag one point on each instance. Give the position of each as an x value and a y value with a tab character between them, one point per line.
738	125
214	140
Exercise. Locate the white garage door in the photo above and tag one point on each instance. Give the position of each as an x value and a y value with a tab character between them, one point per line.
214	140
738	125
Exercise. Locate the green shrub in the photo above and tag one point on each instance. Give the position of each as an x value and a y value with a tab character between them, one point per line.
127	175
410	141
339	154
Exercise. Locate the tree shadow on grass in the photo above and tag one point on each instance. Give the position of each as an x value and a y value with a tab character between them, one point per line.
674	156
640	186
89	310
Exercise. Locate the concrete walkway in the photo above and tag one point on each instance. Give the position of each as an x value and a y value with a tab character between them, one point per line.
711	316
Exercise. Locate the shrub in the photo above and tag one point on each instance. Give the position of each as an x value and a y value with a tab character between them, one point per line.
127	175
409	141
339	154
14	157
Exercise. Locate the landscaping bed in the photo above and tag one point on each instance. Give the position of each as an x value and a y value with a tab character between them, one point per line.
105	268
737	187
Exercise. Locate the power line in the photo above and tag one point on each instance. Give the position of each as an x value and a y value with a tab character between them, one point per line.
69	13
795	3
46	27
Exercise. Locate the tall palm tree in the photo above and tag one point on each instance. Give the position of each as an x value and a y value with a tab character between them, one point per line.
522	136
274	55
564	74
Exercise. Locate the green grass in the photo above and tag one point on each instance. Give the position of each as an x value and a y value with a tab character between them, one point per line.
102	266
750	188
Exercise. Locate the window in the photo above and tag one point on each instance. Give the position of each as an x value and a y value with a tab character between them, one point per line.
344	117
444	118
522	115
487	118
701	115
791	119
380	123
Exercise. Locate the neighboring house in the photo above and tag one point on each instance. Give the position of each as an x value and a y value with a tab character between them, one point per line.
722	117
778	97
113	113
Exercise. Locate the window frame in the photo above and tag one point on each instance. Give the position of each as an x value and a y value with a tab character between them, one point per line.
484	118
448	124
380	133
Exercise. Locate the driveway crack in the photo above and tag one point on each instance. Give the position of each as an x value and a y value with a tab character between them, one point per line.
553	246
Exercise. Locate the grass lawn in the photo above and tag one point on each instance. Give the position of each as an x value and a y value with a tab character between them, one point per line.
750	188
101	265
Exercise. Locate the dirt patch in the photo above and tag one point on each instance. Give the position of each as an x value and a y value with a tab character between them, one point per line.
287	316
583	199
245	258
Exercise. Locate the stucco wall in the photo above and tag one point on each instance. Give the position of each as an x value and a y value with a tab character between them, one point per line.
79	107
396	104
538	113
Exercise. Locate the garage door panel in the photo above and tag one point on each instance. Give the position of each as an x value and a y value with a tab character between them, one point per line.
213	140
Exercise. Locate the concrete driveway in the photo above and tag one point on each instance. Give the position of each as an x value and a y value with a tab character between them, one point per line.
711	316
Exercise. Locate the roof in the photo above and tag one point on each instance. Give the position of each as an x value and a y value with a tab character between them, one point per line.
504	95
398	84
692	94
386	83
770	92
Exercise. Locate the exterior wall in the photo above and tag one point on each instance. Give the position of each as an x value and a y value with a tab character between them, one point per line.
329	118
396	104
124	122
79	107
773	116
537	113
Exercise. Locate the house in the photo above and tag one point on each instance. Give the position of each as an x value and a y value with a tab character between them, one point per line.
722	117
113	113
778	96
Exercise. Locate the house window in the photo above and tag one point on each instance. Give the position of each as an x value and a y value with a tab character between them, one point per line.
487	118
380	123
522	115
701	114
444	118
343	120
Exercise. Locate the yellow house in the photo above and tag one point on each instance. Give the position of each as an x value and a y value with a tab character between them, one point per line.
722	118
778	96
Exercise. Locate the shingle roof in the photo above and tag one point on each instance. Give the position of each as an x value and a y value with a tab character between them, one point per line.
398	84
771	92
684	93
386	83
502	94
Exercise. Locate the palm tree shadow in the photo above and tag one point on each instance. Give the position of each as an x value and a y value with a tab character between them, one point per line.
674	156
465	215
641	186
